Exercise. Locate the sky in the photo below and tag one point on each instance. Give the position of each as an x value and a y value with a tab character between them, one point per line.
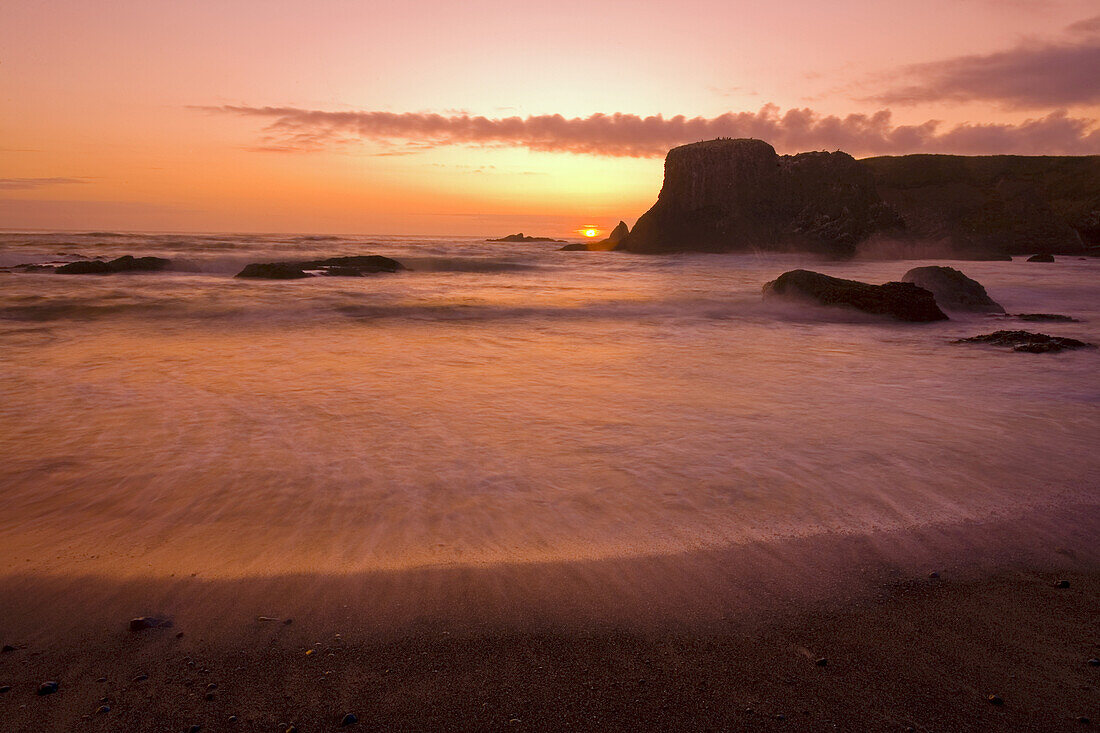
488	117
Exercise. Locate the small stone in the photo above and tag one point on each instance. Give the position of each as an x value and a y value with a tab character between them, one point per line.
209	696
822	662
289	621
933	575
103	709
148	622
194	728
232	719
1094	662
995	700
5	688
102	679
212	686
1083	720
141	678
780	716
1061	584
349	719
7	649
179	634
48	688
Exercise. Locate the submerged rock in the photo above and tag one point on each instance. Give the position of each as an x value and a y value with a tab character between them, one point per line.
1041	258
353	266
953	290
1043	317
149	622
903	301
574	247
126	263
1026	341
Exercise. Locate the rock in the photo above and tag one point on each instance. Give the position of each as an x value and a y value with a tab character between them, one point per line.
194	728
7	649
48	688
212	686
141	678
1094	662
574	247
1061	584
349	719
952	289
149	622
903	301
521	238
209	696
1083	720
1041	258
353	266
1026	341
618	234
272	271
5	688
232	719
103	709
822	662
739	195
126	263
1044	317
995	699
933	575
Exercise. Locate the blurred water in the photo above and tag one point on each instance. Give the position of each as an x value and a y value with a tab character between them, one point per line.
504	402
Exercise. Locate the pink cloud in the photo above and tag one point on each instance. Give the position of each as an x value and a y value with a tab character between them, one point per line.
627	135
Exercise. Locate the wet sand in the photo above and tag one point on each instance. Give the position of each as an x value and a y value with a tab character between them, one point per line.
716	640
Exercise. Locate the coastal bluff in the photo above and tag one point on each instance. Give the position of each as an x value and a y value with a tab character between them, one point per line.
731	195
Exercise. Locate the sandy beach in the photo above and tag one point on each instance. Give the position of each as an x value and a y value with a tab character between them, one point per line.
910	630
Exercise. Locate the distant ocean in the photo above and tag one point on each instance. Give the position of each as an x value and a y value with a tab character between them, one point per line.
505	402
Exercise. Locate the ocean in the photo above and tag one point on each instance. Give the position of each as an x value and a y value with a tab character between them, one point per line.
506	403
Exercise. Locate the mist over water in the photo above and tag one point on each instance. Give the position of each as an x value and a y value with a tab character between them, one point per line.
505	403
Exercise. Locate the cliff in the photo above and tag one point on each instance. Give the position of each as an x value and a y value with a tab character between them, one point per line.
739	195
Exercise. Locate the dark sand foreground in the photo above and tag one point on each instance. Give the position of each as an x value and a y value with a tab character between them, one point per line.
710	640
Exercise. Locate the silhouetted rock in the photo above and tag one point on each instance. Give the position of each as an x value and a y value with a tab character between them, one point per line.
149	622
272	271
739	195
903	301
1055	317
521	238
618	234
952	289
1041	258
1034	343
1007	204
574	247
126	263
353	266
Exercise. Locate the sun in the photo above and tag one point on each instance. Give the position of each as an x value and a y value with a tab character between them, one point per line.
589	232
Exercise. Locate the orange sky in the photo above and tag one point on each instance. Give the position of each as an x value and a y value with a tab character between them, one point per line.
112	116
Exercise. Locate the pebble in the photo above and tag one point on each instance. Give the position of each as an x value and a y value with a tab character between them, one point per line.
232	718
349	719
102	679
1061	584
1083	720
5	688
148	622
209	696
1094	662
141	678
103	709
822	662
933	575
195	728
179	634
48	688
8	649
780	716
995	699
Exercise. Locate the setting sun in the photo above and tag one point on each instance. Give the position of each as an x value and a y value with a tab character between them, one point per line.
589	232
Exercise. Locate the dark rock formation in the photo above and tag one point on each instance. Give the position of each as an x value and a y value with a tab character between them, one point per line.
355	266
903	301
272	271
149	622
953	290
574	247
521	238
1041	258
1033	343
1055	317
1006	204
739	195
126	263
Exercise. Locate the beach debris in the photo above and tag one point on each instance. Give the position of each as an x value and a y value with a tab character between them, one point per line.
1026	341
48	688
995	699
349	719
822	662
308	652
1061	584
149	622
